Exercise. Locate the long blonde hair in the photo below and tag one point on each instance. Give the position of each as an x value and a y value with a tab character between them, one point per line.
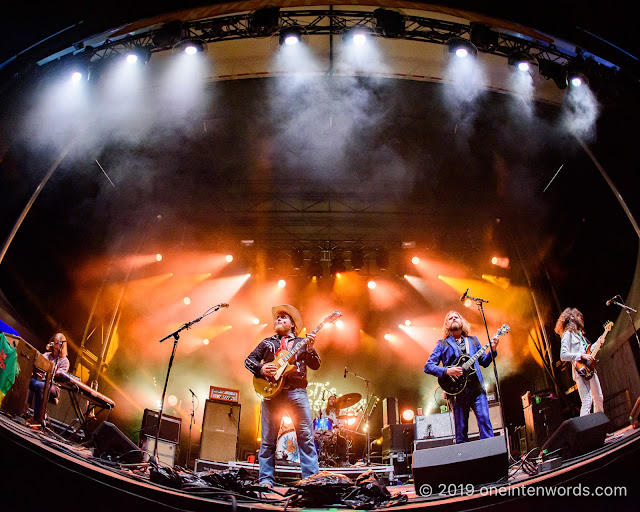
466	327
570	320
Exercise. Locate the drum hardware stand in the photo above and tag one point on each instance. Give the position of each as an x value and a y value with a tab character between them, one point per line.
175	335
479	302
366	415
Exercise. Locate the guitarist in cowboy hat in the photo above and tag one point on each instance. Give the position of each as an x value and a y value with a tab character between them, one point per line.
457	342
293	399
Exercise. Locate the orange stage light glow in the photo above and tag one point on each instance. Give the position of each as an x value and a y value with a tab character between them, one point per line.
408	415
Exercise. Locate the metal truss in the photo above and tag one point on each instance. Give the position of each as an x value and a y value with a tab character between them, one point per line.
336	22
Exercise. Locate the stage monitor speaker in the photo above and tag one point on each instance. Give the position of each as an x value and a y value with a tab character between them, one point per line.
390	414
169	427
398	438
477	462
220	430
577	436
109	441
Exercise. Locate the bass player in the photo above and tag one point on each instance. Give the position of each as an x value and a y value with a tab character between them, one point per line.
456	343
292	399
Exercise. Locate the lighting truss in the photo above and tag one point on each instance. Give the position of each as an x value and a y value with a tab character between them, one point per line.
335	22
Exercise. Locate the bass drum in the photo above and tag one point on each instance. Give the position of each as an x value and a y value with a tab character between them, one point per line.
287	447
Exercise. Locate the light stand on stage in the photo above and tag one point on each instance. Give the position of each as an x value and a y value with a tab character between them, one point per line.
176	335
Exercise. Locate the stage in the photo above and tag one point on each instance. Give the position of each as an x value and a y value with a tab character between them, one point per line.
36	461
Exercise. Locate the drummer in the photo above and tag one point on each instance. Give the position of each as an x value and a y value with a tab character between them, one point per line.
334	414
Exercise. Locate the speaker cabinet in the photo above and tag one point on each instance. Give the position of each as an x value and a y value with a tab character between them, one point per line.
477	462
495	415
166	450
169	427
577	436
541	421
220	430
397	438
109	441
390	415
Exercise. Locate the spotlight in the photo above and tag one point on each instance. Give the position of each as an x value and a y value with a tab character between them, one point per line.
186	300
168	35
290	36
297	259
191	46
407	323
158	257
264	21
521	60
552	70
408	415
356	35
372	285
138	55
391	23
256	321
483	37
228	258
382	259
576	79
282	283
388	337
337	265
415	260
315	269
357	259
461	48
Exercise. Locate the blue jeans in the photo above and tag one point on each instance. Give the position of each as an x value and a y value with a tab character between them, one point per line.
472	397
36	395
295	402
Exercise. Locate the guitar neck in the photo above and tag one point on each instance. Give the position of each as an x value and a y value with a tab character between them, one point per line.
477	355
294	351
598	345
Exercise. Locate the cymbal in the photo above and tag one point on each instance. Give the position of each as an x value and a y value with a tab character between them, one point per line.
347	400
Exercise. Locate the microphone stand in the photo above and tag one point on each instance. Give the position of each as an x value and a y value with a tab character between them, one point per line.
628	311
191	422
175	335
366	414
479	302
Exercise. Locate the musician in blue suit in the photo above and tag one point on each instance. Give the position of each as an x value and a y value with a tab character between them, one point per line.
455	343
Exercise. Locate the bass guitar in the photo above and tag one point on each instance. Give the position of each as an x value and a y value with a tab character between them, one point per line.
268	387
453	385
586	370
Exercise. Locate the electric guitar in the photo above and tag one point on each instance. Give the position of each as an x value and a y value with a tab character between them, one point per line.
453	385
586	370
268	387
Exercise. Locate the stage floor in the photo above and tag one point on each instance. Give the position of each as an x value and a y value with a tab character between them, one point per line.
28	454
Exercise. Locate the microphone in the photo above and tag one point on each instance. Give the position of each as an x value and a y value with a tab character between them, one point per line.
345	372
463	297
224	305
192	392
612	299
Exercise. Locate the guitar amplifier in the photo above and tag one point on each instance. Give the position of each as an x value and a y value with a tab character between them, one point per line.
169	427
397	438
435	425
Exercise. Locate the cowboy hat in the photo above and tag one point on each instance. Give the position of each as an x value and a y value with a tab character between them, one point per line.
292	312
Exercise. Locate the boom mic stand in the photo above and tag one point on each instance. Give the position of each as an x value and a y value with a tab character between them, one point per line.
176	335
367	414
479	302
628	311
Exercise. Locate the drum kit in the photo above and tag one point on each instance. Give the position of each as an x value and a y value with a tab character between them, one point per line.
325	433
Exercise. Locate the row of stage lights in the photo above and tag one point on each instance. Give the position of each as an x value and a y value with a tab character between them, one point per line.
389	24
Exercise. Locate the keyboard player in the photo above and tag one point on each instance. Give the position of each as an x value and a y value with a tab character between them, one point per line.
57	354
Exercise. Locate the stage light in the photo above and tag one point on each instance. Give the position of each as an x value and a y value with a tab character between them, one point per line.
339	324
382	259
391	23
290	36
190	46
297	259
356	35
555	71
461	48
315	269
371	285
205	341
228	258
576	79
158	257
500	261
173	400
388	337
256	321
483	37
520	60
467	303
415	260
138	55
337	264
408	415
76	76
186	300
407	323
357	259
282	283
264	21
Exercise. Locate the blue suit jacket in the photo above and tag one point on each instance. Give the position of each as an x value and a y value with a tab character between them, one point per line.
447	352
